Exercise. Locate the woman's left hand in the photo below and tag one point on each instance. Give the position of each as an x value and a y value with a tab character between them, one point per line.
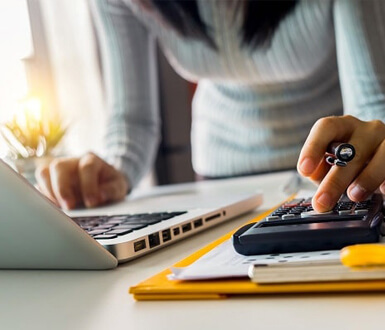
361	177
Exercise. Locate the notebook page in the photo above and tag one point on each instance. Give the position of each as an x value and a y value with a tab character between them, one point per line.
224	262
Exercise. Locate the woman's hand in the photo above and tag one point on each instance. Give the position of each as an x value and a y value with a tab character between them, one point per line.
88	180
362	176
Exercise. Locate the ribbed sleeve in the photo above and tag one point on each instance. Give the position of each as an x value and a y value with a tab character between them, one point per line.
129	63
360	36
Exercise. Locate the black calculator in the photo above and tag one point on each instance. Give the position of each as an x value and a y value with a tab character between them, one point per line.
296	227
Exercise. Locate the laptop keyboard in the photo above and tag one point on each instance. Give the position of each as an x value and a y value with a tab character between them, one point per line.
109	227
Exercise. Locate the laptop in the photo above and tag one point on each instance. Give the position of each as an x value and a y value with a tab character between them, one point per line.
36	234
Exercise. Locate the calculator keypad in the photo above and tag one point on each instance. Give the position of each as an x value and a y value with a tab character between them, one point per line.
300	210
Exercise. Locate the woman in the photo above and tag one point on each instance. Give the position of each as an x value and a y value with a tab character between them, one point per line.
267	71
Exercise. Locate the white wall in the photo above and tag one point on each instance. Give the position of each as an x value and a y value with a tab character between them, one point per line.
73	56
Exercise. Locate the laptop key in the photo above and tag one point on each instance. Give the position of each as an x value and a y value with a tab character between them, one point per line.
152	221
119	231
97	231
174	214
86	227
105	226
137	221
143	221
107	236
131	226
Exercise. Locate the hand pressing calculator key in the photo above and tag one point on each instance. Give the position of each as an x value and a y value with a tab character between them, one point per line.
296	227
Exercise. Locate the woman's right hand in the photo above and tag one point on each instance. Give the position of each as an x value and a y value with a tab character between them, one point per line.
88	180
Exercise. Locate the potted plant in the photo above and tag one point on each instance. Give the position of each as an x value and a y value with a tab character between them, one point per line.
31	137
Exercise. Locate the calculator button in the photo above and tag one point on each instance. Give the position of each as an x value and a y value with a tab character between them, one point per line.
278	214
296	210
361	212
361	207
315	214
344	212
272	217
288	216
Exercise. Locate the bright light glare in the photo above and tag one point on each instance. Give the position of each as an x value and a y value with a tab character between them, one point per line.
29	113
32	107
16	43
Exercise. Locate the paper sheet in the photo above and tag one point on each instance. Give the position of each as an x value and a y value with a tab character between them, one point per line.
224	262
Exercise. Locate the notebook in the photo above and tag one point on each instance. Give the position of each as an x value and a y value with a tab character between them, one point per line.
35	234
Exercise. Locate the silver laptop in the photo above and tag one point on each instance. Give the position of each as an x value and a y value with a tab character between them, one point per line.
35	234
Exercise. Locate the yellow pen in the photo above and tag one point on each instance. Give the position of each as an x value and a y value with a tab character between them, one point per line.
361	255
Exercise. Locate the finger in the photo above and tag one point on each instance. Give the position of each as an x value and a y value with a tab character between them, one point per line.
320	172
370	178
64	178
382	188
338	179
324	131
331	188
114	190
43	180
89	169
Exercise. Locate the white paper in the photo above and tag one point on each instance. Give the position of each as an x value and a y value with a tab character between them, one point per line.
224	262
314	273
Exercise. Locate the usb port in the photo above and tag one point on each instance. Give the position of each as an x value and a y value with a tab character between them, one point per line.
186	227
166	235
139	245
176	231
154	240
198	223
212	217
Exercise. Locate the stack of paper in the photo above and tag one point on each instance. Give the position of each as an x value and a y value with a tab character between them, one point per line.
313	273
224	262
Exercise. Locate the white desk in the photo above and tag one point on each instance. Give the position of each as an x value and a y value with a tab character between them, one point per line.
99	299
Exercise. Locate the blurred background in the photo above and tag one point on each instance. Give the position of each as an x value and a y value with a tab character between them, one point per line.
51	89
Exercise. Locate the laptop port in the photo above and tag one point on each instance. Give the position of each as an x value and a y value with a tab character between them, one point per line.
198	223
187	227
176	231
153	240
139	245
166	235
213	217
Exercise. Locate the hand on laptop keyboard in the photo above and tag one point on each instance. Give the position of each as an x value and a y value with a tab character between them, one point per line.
88	180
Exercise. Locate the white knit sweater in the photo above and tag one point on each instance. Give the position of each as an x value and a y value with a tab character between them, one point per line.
253	107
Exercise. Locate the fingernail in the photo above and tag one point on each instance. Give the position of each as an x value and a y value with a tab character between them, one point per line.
90	201
382	188
325	200
307	166
67	205
103	196
358	192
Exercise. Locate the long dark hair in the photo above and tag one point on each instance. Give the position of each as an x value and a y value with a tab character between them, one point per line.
261	19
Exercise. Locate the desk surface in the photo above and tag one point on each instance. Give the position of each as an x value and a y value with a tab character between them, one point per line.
99	299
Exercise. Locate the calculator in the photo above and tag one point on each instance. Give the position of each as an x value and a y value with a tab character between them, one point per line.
296	227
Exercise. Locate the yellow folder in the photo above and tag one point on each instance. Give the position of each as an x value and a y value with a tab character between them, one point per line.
159	287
